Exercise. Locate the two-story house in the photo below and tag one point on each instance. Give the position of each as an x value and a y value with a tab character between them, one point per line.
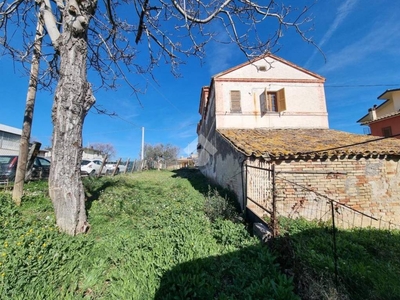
268	92
264	135
384	119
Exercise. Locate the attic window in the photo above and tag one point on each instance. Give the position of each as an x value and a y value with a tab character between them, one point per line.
262	68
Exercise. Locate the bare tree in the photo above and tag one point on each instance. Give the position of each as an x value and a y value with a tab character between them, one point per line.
110	37
166	152
105	149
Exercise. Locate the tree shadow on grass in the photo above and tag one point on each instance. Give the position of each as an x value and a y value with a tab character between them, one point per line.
204	185
196	178
367	261
368	267
93	188
249	273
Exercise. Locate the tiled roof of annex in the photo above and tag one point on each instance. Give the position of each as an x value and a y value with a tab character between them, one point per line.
300	143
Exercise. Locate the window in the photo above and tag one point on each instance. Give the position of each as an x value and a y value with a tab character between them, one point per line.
272	101
235	102
271	104
387	131
43	162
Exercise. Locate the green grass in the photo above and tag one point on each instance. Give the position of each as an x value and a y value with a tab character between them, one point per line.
368	261
153	235
173	235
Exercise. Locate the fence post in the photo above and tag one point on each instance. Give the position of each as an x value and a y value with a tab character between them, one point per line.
126	166
273	217
244	186
334	244
116	167
133	166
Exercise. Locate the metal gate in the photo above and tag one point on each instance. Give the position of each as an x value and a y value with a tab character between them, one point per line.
260	193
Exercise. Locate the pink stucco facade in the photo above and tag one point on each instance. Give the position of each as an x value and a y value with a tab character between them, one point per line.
377	127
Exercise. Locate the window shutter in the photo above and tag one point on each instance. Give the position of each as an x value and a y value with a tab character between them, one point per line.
263	102
235	101
281	100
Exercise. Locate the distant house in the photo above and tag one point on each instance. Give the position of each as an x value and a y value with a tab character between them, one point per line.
264	135
9	140
384	119
87	153
90	153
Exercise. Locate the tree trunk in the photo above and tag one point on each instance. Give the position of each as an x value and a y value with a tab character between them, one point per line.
73	99
28	116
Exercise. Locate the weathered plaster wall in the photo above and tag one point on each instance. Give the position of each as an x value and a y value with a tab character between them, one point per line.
224	167
369	185
305	105
272	69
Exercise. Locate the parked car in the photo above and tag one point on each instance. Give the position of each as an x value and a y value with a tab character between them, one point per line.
8	168
91	167
111	167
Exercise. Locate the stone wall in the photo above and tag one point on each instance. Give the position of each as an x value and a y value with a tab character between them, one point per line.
367	186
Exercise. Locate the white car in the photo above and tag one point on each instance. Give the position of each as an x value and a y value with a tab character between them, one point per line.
90	167
110	167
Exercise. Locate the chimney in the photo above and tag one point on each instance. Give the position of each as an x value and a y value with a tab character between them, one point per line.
372	113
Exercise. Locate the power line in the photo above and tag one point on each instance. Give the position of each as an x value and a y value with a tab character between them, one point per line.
361	85
340	85
162	95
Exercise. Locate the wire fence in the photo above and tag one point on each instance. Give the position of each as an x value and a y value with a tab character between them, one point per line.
272	196
138	165
341	223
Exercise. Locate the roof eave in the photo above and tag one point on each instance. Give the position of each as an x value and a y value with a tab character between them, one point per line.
383	97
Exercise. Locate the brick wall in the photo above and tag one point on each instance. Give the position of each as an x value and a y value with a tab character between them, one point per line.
368	185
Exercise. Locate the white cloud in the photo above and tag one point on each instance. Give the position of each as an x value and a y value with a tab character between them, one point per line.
381	39
220	54
220	58
342	12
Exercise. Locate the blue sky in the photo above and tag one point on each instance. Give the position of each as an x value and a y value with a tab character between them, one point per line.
359	38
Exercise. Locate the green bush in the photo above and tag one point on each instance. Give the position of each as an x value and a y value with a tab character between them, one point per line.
217	206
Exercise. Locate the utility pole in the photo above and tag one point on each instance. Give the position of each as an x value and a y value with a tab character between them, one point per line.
142	152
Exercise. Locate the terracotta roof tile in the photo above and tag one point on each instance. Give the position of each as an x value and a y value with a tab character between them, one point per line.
278	143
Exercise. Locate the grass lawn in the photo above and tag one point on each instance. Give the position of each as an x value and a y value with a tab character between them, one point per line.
170	235
153	235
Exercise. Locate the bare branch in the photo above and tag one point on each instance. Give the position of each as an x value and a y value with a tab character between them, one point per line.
174	30
50	22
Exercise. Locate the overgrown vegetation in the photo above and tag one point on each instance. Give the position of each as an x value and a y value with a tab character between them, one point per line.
367	260
152	236
173	235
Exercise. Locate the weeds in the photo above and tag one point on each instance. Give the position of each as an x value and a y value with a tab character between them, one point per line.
150	238
217	207
155	235
33	254
367	259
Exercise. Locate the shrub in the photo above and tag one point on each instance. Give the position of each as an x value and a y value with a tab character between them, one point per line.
216	206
